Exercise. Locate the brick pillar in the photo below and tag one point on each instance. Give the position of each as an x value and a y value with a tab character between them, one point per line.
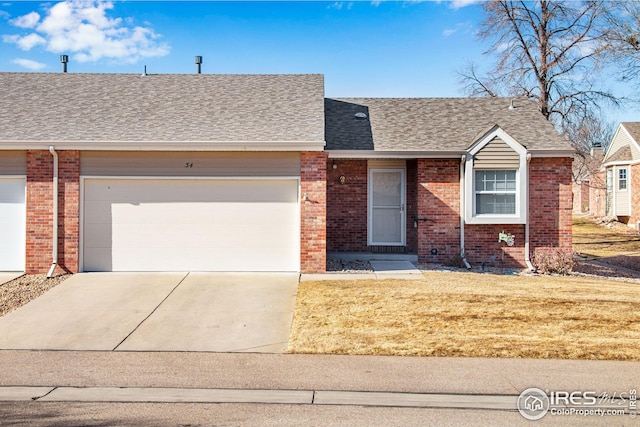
313	212
550	203
438	196
40	211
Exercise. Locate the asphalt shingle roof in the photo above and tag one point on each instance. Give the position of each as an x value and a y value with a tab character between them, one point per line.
36	107
623	154
634	129
433	124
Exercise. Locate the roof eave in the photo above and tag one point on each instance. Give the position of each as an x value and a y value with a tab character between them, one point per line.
553	153
620	163
376	154
166	145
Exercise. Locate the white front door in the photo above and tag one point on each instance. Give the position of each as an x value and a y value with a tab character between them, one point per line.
387	219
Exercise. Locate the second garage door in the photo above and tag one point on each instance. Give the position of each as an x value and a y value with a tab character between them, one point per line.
12	224
191	225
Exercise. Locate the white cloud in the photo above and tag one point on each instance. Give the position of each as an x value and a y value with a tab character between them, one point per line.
84	29
461	26
26	21
457	4
29	64
29	41
339	5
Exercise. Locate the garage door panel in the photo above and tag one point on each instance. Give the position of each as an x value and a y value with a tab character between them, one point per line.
196	225
12	224
192	191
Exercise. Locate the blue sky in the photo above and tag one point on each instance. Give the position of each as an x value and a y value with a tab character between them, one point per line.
364	48
398	49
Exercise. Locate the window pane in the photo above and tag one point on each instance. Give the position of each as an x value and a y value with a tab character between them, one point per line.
387	188
495	180
622	179
495	204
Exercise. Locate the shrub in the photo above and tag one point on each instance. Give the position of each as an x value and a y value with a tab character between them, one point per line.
454	261
553	261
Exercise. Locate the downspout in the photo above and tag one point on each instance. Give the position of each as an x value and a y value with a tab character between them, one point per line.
527	257
463	160
54	252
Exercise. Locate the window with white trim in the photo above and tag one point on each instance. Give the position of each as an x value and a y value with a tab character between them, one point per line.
495	192
496	180
622	179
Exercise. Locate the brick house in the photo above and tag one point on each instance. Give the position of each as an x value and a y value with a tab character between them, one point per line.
263	173
621	170
588	183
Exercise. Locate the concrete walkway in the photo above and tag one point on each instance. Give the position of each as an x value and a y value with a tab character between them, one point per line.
382	269
157	312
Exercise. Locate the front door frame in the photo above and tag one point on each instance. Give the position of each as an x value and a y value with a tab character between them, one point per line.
402	207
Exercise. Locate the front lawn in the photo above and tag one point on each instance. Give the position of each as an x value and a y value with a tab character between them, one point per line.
594	241
472	315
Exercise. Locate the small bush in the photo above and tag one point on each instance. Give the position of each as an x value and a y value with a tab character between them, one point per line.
454	261
553	261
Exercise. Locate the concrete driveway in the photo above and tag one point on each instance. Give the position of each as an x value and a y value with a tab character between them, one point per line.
219	312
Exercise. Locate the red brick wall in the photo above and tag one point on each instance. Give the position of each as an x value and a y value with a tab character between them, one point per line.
412	205
482	246
550	203
438	202
436	185
313	212
69	208
40	211
347	206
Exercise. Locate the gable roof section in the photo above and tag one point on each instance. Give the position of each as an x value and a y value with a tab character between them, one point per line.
212	111
622	155
624	146
434	124
634	130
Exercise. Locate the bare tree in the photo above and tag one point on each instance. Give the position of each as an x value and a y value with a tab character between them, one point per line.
549	51
623	21
591	134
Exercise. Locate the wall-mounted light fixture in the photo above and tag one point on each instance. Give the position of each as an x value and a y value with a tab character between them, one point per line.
342	179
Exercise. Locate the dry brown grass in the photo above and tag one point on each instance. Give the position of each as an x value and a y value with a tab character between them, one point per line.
593	240
470	314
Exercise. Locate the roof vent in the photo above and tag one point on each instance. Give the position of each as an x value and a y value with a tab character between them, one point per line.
512	106
361	116
198	64
64	59
144	73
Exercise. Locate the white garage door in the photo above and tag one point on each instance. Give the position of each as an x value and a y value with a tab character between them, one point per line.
191	225
12	224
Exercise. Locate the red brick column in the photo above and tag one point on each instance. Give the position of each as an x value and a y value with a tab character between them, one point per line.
347	206
439	204
40	211
550	203
313	212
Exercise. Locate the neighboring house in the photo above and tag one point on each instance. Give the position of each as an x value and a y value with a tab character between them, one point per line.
588	184
262	173
621	167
